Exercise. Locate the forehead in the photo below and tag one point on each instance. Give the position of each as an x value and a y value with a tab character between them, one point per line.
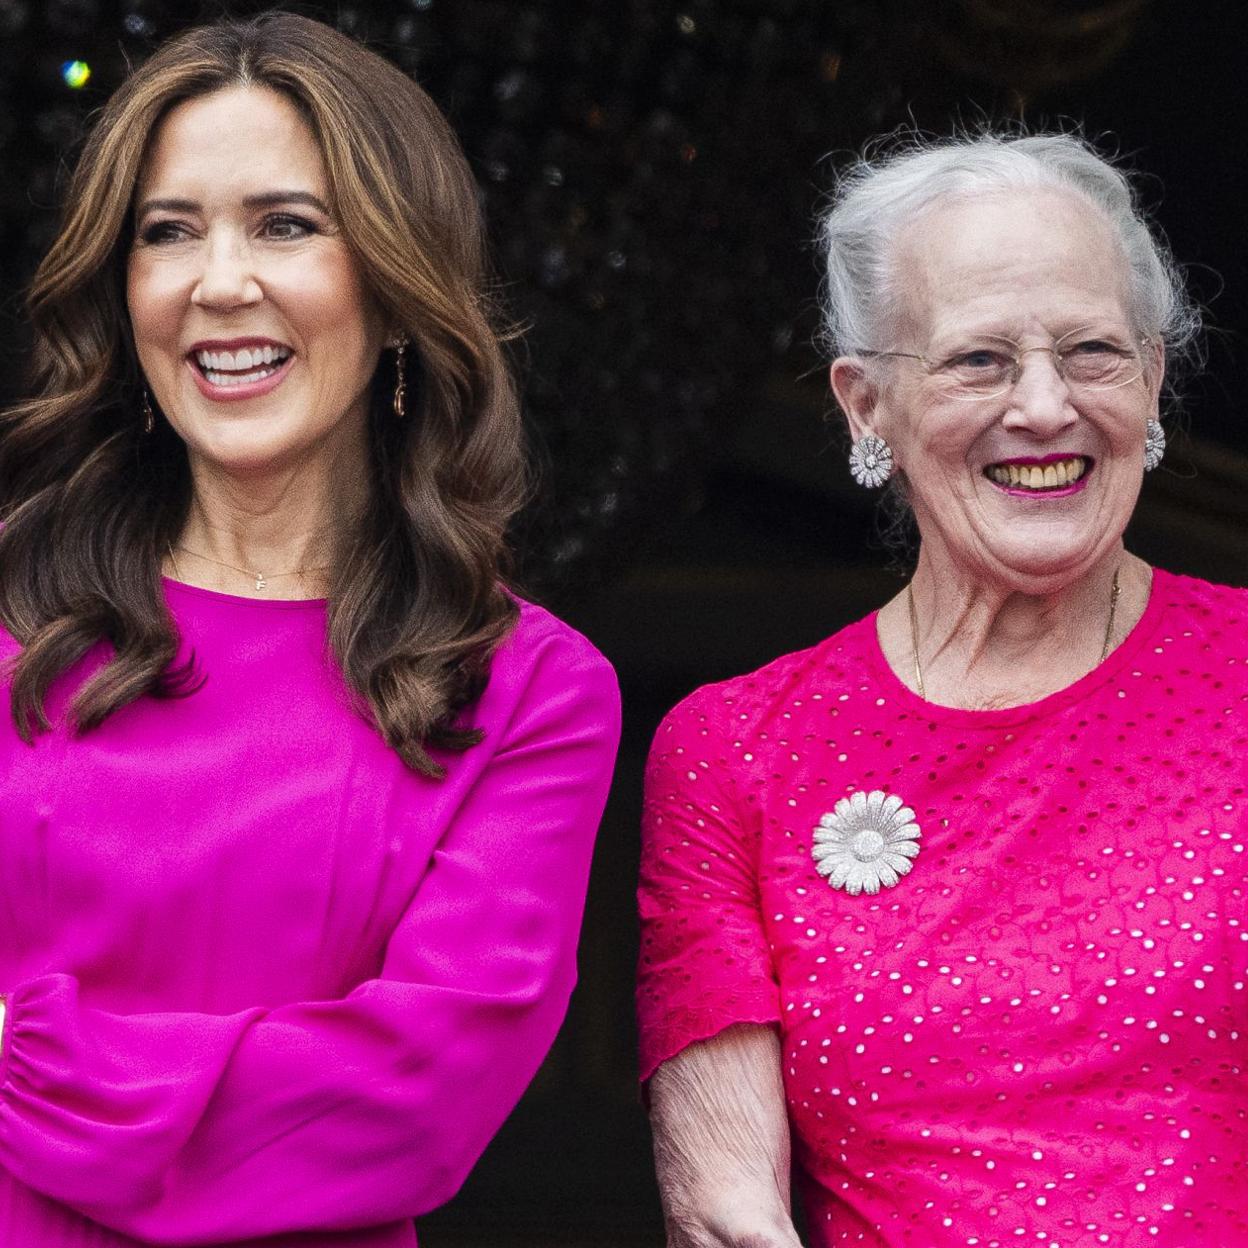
1016	262
232	142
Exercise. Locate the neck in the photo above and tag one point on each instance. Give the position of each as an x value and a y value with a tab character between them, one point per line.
985	645
292	522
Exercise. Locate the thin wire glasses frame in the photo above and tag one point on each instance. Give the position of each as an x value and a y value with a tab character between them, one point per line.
993	365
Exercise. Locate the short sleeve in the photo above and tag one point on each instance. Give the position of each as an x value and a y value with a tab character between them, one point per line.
705	961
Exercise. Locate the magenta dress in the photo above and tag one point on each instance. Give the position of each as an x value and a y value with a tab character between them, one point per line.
1039	1034
263	981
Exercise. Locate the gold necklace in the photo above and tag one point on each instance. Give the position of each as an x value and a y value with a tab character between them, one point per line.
262	581
914	631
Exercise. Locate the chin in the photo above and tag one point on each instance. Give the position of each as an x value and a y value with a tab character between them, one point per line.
244	449
1036	567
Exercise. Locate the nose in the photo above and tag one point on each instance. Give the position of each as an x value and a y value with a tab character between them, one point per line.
226	279
1040	401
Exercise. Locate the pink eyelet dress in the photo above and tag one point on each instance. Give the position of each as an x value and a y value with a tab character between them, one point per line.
1039	1034
266	985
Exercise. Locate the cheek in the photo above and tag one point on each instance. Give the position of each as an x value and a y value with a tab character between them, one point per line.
1129	429
154	299
940	444
1121	429
324	295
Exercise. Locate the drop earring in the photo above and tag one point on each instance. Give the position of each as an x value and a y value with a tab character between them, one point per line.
871	461
149	417
1154	445
400	381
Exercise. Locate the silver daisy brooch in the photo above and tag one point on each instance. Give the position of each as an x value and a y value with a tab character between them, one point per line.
867	842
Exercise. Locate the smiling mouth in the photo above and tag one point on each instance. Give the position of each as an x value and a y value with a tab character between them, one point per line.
240	368
1057	474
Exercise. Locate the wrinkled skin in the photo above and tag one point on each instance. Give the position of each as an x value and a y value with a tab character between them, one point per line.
721	1143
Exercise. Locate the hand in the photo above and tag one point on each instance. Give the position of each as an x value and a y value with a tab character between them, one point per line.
740	1219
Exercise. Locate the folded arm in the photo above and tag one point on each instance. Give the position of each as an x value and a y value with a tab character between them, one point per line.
196	1128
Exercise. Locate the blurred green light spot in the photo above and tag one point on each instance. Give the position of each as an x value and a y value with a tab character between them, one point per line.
75	73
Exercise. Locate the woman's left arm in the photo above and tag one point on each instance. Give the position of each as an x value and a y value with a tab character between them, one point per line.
182	1128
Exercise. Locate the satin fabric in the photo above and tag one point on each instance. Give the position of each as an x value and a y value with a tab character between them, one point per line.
263	980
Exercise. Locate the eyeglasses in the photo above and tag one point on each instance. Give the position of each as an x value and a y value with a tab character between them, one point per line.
990	366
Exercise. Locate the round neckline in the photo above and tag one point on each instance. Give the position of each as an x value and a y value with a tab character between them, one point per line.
238	600
999	717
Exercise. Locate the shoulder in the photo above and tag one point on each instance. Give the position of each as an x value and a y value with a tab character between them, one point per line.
545	661
1191	646
1203	600
541	639
743	707
1213	617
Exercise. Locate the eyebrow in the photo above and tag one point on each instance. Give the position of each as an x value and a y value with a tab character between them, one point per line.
266	199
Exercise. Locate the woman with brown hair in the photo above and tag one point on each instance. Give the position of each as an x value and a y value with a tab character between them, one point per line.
298	799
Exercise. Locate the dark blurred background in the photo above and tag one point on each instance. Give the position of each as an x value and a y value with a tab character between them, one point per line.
651	172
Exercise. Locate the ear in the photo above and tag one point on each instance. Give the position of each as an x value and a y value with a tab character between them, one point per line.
857	395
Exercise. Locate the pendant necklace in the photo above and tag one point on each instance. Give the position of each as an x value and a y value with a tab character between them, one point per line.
914	631
262	581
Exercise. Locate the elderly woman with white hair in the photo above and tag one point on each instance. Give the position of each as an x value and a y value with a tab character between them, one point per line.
955	903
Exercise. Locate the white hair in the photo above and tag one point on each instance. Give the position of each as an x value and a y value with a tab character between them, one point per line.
904	174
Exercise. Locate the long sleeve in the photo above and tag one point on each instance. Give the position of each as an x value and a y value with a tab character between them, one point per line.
193	1128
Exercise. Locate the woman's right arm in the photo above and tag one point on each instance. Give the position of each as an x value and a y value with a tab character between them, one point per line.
721	1142
707	996
182	1127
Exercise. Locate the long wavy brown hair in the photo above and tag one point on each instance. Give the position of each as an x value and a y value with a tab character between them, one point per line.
90	502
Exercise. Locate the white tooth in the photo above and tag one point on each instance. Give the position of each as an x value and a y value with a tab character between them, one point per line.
1013	471
1050	476
1075	469
1036	478
999	474
225	360
227	379
243	359
1061	473
267	355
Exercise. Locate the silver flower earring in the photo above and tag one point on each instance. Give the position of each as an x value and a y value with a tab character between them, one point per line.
1154	444
871	461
